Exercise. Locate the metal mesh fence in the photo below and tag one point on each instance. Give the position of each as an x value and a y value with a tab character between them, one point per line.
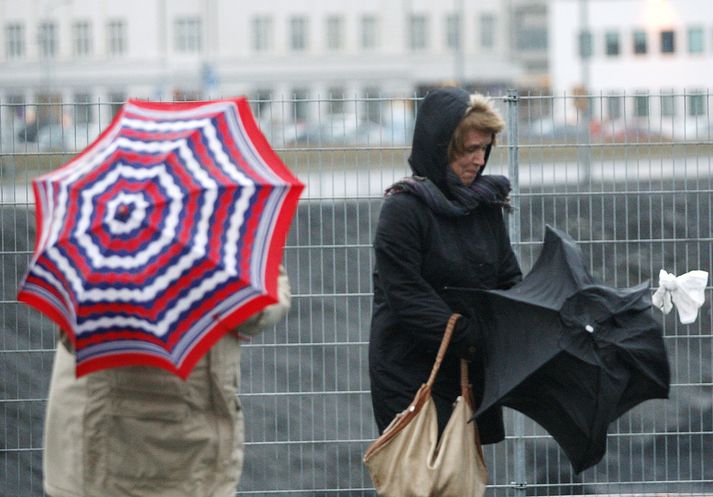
631	181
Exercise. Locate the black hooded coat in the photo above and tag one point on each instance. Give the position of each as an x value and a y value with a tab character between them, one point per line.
419	250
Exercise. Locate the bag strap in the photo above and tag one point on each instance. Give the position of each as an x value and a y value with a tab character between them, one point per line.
464	380
450	326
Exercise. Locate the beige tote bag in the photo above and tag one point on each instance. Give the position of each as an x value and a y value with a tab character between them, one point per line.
408	459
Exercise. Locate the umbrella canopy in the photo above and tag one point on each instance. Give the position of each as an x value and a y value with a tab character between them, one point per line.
162	235
568	352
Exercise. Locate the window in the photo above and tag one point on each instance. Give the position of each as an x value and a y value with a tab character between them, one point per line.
81	38
453	31
585	44
641	105
640	47
372	104
611	39
262	33
697	104
300	110
530	28
261	101
668	42
16	108
83	111
695	40
49	110
16	105
369	32
613	106
116	100
298	33
26	130
116	37
336	100
188	34
48	40
335	33
487	31
418	32
14	40
668	104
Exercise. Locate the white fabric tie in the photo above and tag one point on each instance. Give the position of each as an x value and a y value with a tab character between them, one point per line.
686	292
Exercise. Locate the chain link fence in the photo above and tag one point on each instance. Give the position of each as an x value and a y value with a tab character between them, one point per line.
630	180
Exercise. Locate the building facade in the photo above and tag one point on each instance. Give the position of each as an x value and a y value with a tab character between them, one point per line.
649	62
58	52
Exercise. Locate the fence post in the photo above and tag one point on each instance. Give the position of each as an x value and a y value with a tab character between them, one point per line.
519	484
513	165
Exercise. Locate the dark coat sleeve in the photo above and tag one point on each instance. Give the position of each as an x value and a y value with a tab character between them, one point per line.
414	302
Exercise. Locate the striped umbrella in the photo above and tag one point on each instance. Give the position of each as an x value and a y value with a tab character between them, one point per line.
162	235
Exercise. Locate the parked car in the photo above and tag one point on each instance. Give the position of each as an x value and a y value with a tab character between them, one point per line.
281	134
351	130
73	138
549	130
623	131
55	137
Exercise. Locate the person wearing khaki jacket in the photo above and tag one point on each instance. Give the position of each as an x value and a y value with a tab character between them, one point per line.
143	432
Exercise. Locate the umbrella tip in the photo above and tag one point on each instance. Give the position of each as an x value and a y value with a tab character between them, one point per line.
122	212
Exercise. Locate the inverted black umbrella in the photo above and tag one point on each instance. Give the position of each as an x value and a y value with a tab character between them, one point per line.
567	351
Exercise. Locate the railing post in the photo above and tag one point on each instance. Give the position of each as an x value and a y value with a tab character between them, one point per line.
518	482
513	167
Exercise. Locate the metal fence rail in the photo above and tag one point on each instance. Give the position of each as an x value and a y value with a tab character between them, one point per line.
631	181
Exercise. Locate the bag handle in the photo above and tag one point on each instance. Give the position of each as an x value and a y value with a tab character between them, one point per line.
450	326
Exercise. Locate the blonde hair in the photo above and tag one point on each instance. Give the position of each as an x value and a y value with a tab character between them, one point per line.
480	115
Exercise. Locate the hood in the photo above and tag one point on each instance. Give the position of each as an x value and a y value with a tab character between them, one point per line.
438	116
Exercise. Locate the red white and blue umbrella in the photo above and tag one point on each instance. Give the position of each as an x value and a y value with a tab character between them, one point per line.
161	236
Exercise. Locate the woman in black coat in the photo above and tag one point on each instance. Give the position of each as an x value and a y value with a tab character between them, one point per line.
441	227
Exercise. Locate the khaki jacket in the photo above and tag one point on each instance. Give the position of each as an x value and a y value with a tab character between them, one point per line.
143	432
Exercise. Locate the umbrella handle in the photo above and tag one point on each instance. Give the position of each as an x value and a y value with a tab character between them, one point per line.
442	351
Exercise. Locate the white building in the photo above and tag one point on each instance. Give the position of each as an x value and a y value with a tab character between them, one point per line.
77	51
651	60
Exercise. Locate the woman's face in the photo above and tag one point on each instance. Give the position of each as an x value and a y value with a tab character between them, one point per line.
468	165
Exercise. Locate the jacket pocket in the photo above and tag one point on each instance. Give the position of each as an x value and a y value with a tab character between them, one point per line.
145	439
149	394
150	433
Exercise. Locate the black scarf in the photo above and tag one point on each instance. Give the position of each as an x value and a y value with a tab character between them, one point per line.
486	189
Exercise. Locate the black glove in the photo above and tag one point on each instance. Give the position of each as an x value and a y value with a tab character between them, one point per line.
467	338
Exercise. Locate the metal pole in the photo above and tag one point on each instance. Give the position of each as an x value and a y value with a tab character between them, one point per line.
513	168
162	83
519	483
585	152
584	28
208	70
459	60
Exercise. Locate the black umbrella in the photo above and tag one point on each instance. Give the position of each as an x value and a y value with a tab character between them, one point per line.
567	351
